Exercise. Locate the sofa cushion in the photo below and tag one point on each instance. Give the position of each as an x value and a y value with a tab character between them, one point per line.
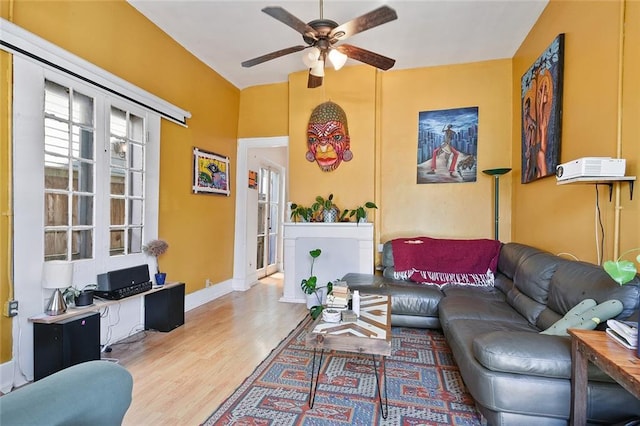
409	298
531	284
524	353
521	352
472	307
574	281
511	254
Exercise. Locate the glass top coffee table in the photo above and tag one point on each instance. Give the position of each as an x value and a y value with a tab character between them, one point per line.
370	334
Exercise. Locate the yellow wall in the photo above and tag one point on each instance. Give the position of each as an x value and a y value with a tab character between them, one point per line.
5	203
6	284
456	210
561	218
352	183
264	111
114	36
630	120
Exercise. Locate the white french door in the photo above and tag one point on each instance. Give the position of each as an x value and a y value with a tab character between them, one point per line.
269	182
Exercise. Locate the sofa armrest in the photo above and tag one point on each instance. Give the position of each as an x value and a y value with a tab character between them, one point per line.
91	393
524	353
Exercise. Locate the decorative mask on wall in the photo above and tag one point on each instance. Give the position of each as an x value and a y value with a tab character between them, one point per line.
328	137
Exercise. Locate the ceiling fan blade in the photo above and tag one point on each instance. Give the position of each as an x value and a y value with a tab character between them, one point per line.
287	18
314	81
363	55
367	21
272	55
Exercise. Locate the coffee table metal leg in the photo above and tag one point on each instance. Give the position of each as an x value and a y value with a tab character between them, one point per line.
314	376
384	408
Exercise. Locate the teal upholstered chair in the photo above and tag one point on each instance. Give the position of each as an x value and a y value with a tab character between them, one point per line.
91	393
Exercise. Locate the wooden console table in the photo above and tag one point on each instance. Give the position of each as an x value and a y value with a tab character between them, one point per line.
620	363
96	307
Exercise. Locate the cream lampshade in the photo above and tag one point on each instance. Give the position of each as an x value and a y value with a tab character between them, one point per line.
57	274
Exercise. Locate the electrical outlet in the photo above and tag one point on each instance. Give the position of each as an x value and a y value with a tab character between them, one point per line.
11	308
208	283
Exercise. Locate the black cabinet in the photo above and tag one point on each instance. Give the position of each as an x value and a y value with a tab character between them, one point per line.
164	310
65	343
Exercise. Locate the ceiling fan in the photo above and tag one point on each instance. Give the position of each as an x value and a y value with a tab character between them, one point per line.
322	35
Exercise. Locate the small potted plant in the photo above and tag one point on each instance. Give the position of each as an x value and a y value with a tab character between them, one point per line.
326	207
622	271
360	212
310	287
79	297
157	248
300	213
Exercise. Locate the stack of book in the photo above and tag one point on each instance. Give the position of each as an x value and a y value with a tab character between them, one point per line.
339	296
623	332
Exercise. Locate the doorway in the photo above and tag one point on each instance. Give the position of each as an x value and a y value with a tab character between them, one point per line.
269	189
253	154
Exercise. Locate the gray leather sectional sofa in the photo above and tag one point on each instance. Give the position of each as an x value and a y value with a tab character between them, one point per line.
516	375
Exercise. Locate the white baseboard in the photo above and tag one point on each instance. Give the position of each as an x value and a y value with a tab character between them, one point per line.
6	376
200	297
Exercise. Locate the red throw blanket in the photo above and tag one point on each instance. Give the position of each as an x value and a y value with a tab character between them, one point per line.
444	261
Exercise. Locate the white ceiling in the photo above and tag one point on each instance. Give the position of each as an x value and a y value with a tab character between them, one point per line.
223	33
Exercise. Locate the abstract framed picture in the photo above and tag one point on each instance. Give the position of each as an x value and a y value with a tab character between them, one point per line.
210	173
253	179
541	103
447	145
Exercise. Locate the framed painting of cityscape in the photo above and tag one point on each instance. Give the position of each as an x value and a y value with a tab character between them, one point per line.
447	145
541	102
210	173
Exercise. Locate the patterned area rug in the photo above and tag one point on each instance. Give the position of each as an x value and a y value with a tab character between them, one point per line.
424	386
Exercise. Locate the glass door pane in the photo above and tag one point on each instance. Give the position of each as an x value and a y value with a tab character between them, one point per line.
268	222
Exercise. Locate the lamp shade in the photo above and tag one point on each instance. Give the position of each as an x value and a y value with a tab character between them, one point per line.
57	274
317	69
337	59
311	57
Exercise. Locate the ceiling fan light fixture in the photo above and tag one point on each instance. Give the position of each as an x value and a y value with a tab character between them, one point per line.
337	59
317	69
311	57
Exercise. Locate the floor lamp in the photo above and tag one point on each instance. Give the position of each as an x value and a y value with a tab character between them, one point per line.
496	173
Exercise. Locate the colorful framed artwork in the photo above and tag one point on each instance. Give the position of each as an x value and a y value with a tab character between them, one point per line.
541	103
210	173
253	179
447	145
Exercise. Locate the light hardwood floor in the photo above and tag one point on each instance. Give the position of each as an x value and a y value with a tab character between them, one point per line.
181	377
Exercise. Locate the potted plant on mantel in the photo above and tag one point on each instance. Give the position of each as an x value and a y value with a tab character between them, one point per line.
310	287
300	213
360	213
326	207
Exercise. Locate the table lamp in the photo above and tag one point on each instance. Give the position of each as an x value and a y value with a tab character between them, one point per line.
57	274
496	173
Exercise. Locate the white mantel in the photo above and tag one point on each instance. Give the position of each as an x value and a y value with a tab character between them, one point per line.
346	247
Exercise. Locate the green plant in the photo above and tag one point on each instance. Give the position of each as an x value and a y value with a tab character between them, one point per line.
322	203
622	271
310	285
300	212
323	206
360	212
70	293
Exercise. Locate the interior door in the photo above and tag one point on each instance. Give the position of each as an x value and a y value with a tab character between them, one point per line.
268	221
